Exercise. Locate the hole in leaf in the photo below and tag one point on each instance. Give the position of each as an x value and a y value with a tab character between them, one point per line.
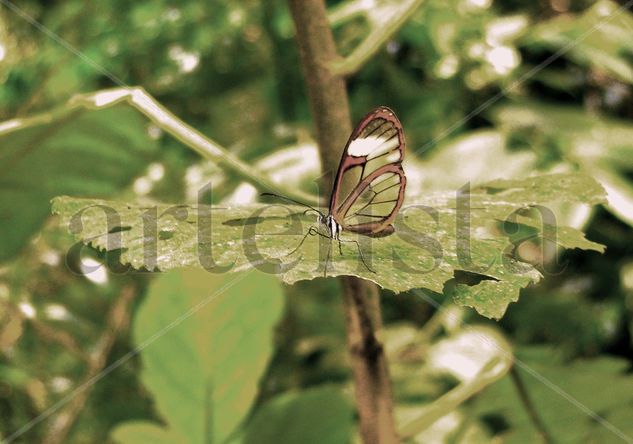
492	190
165	234
469	278
120	229
495	422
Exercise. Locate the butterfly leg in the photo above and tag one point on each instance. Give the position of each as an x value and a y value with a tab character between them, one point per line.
311	231
360	253
362	256
315	231
327	260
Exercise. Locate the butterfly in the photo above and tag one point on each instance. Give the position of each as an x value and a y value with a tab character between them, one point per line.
369	185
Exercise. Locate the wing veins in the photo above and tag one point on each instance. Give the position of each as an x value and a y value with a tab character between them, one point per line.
364	206
371	187
374	130
385	201
388	129
369	215
371	202
382	127
389	187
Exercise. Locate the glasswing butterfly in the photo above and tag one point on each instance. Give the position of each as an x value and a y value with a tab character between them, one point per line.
369	186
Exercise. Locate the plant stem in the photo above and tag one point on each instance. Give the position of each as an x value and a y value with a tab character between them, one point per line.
330	109
491	372
369	363
529	406
381	31
163	118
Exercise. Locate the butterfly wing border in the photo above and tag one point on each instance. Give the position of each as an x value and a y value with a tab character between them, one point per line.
348	161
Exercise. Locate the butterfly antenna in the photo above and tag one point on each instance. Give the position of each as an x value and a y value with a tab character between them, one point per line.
293	201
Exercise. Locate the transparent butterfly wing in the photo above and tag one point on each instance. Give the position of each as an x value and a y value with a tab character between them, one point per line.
370	183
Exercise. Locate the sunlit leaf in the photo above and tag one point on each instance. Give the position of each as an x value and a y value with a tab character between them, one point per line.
477	357
434	237
482	156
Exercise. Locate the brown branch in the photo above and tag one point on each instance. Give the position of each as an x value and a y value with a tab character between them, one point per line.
328	94
330	109
45	332
369	363
117	321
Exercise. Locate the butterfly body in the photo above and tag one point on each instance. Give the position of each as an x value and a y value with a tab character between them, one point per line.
333	228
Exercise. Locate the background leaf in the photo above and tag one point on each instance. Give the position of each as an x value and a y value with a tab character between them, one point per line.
68	151
320	415
601	145
602	36
500	405
204	373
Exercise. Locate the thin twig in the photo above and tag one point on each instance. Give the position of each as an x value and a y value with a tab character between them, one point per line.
207	148
382	30
117	321
524	396
138	98
494	370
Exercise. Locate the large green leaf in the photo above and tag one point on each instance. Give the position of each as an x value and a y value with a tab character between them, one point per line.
203	373
72	150
320	416
601	385
431	242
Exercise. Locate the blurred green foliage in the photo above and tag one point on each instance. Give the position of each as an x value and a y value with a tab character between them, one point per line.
555	78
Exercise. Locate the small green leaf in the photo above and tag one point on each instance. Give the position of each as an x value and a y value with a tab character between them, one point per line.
204	373
566	237
319	415
433	238
475	370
